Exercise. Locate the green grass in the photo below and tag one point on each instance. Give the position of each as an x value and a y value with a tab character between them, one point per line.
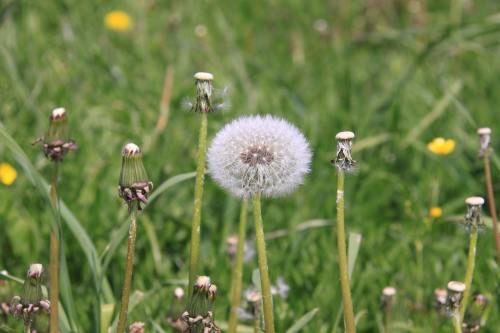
396	83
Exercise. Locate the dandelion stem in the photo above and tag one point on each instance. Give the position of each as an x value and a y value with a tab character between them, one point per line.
129	266
457	327
264	272
471	260
491	200
198	196
54	255
238	270
344	277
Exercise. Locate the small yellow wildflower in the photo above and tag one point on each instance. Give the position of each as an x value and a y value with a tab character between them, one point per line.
441	146
436	212
118	20
8	174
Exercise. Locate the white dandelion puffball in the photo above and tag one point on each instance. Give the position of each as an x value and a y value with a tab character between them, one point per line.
259	154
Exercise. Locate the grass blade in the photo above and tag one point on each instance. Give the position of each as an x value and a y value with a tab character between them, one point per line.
303	321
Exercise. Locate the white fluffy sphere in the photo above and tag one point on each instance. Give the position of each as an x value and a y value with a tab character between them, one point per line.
259	154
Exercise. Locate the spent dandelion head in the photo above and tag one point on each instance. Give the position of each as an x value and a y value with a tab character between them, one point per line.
473	215
8	174
208	99
343	157
484	140
441	146
456	290
118	20
134	185
57	142
259	154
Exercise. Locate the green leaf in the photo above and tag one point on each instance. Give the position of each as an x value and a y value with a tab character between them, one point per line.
303	321
352	251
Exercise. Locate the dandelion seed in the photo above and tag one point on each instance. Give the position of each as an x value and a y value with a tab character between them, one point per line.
118	20
441	146
259	154
8	174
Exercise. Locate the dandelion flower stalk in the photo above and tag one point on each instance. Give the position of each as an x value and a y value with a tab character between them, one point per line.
203	105
134	188
238	270
388	294
473	222
485	151
259	156
56	144
344	163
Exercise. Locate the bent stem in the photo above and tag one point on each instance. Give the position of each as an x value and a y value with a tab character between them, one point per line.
471	260
265	283
238	270
129	266
344	277
54	255
491	201
198	196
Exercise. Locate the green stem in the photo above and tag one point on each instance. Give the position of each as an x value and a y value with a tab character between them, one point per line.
267	299
457	326
491	201
198	196
471	260
127	281
256	323
27	327
54	255
341	243
238	270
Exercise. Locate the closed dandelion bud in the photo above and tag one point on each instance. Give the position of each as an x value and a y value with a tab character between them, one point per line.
475	311
137	327
388	294
343	158
455	293
203	82
485	140
177	304
198	315
440	300
57	142
134	185
473	215
32	289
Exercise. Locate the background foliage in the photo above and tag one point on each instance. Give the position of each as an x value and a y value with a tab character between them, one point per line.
398	73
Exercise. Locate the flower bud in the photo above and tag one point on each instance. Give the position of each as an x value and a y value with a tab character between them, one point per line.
134	185
198	314
474	315
440	300
343	158
57	143
137	327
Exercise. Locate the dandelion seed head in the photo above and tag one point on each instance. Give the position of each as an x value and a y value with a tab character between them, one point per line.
259	154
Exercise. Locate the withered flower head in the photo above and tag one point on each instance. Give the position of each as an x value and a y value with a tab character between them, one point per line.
473	215
57	143
485	140
343	158
134	185
455	293
204	89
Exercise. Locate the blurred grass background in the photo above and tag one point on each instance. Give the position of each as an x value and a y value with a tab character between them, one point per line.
398	73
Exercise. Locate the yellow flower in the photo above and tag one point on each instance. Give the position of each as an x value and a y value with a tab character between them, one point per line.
436	212
440	146
8	174
118	20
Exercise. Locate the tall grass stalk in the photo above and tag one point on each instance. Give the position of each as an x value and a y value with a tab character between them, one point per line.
54	254
341	244
267	299
198	198
127	281
238	270
491	200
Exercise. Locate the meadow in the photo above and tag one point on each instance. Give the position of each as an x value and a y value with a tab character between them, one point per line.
398	73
